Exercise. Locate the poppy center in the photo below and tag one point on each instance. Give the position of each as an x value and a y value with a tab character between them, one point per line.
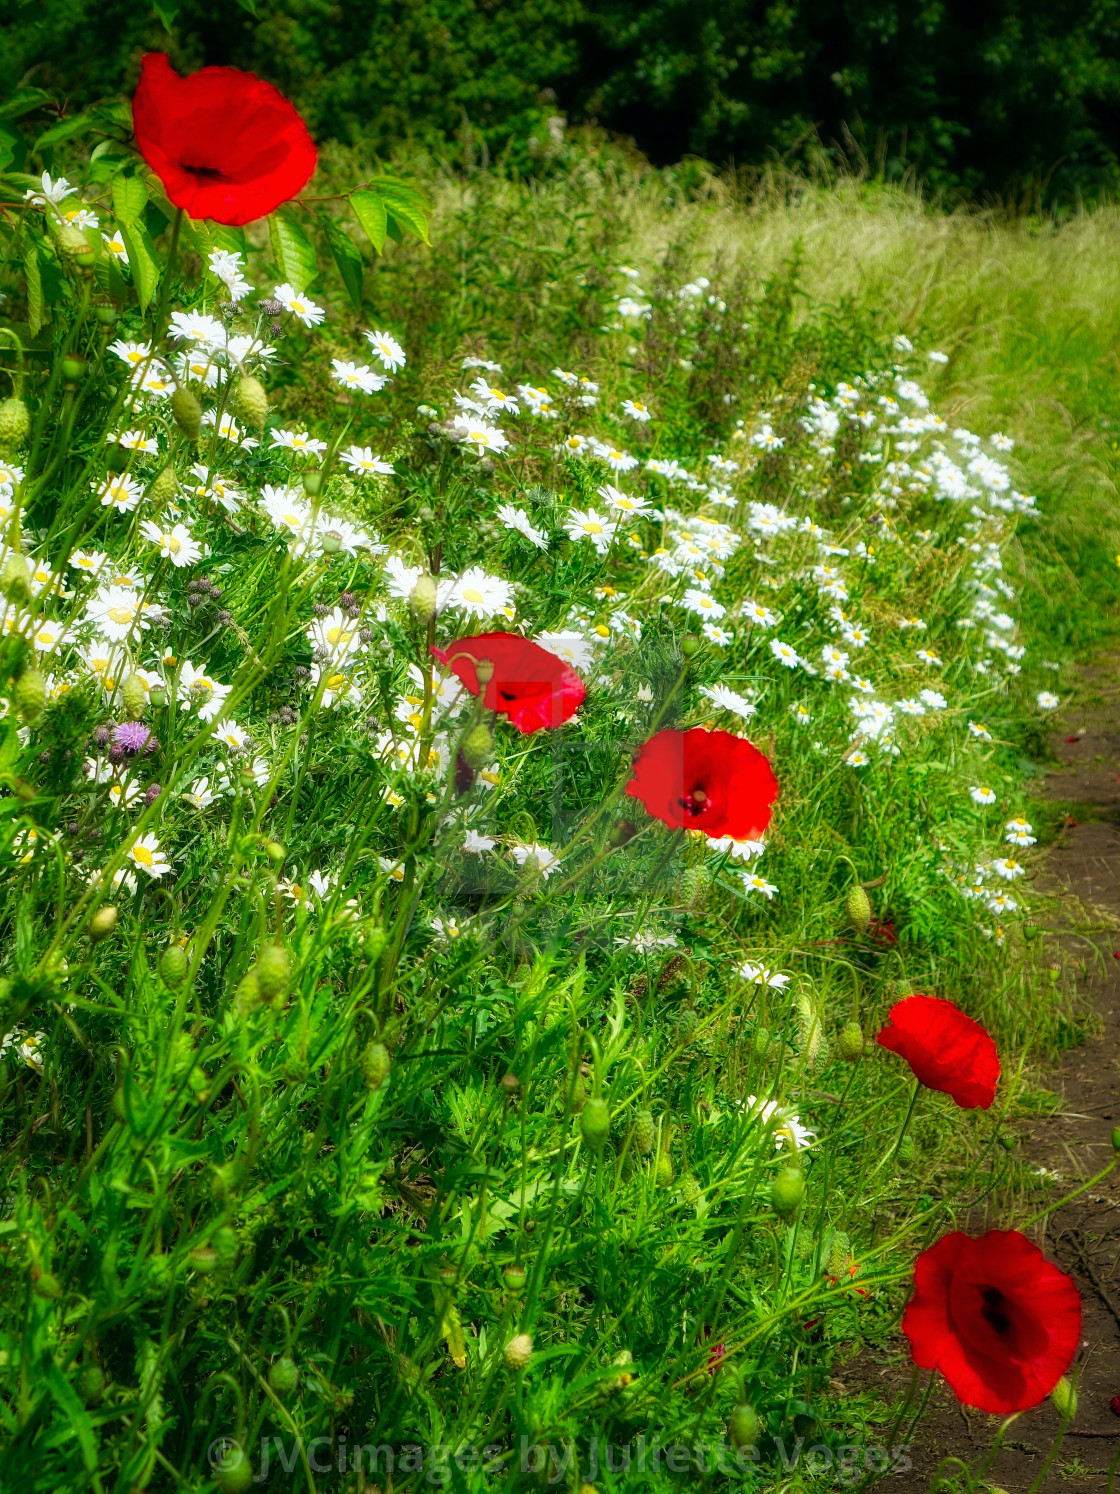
994	1310
695	803
205	173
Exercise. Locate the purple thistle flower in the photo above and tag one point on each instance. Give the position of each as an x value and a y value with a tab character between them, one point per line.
132	736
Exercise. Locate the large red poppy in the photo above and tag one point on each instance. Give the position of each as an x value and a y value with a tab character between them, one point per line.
705	780
997	1319
225	144
946	1049
531	686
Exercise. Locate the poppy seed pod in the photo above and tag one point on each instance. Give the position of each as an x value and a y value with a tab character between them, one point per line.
186	412
423	598
518	1353
15	424
203	1259
515	1277
30	694
249	401
595	1123
15	579
786	1192
857	908
274	972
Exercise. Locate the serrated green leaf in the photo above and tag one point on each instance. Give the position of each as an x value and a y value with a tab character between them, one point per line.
22	102
292	250
65	129
130	198
406	204
370	213
346	256
34	287
142	261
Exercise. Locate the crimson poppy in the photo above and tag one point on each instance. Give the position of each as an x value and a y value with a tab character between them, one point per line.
997	1319
225	144
705	780
946	1049
531	686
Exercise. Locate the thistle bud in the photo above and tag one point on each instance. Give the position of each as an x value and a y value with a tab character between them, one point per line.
15	579
857	908
164	486
515	1277
134	696
423	598
274	972
173	965
644	1133
743	1426
249	402
595	1123
786	1192
283	1377
15	424
1064	1399
92	1383
518	1353
477	745
850	1045
30	694
103	922
375	1065
186	412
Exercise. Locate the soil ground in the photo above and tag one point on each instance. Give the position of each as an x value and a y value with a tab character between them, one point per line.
1083	1237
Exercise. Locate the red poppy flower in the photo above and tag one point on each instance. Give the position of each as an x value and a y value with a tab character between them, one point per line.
225	144
529	685
946	1049
995	1317
705	780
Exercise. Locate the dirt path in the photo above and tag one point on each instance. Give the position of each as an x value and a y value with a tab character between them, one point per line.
1083	1237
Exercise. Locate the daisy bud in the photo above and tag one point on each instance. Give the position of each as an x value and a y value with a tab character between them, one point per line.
274	972
595	1123
423	598
134	697
164	485
743	1426
249	402
643	1133
663	1173
283	1377
857	907
850	1045
518	1353
838	1252
514	1277
786	1192
102	924
186	412
1064	1399
313	482
15	424
477	745
30	694
15	579
92	1383
375	1064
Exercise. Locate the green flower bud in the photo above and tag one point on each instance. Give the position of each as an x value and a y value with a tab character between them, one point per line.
134	696
274	972
515	1277
31	694
15	579
595	1123
186	412
838	1252
313	482
234	1473
850	1045
15	424
47	1286
857	907
663	1170
375	1064
690	1190
283	1377
203	1259
91	1383
695	885
743	1426
477	745
906	1150
621	832
811	1040
1064	1399
690	646
248	994
103	922
164	486
644	1133
249	402
761	1042
275	852
423	598
173	965
225	1245
518	1353
786	1192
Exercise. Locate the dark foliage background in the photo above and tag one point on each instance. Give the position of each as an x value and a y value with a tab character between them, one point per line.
1012	98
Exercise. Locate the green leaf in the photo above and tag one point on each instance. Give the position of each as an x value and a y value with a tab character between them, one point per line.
404	203
393	229
130	198
167	13
346	256
142	261
75	1413
22	102
66	129
292	250
370	213
34	287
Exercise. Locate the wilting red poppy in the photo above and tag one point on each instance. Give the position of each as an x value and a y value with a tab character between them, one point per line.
946	1049
705	780
225	144
997	1319
529	685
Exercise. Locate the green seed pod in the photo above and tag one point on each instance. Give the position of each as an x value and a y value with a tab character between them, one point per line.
906	1150
73	368
249	402
283	1377
15	424
226	1246
186	412
690	1190
1007	1142
103	922
164	486
91	1384
15	579
375	1064
857	907
811	1040
761	1042
743	1426
173	965
313	482
248	993
423	599
839	1250
786	1192
1064	1399
234	1474
134	696
690	646
477	745
203	1260
644	1133
30	694
158	697
595	1123
47	1286
663	1170
850	1045
274	972
515	1277
518	1353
